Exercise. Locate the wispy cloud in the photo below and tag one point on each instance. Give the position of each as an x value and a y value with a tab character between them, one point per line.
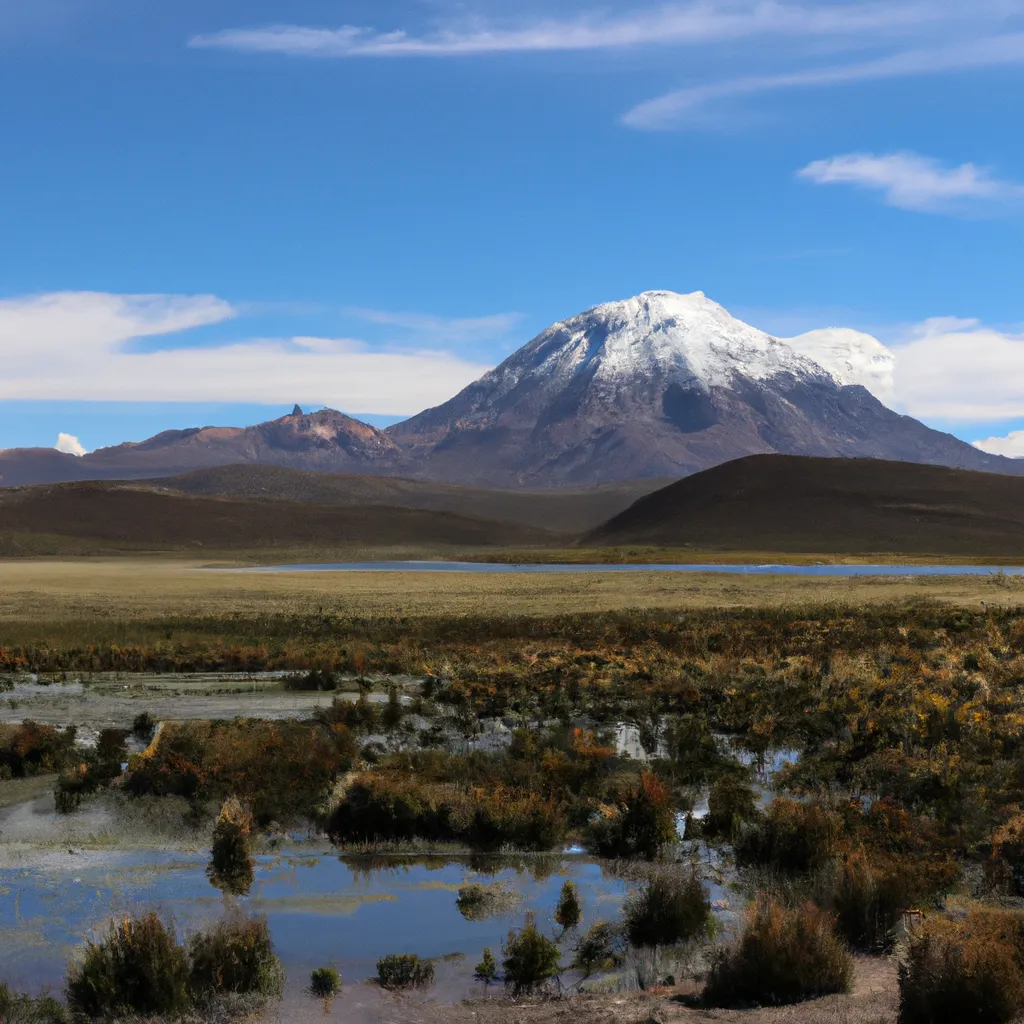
77	346
914	182
677	108
451	330
698	21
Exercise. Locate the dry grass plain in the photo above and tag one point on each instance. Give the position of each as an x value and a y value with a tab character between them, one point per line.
126	589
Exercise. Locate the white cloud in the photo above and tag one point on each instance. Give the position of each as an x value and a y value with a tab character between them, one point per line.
1012	445
914	182
699	21
677	108
70	445
76	345
951	369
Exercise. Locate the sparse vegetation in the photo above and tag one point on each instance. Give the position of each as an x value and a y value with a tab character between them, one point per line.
407	970
784	956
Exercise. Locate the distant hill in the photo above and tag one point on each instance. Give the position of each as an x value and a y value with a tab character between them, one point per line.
788	503
567	511
134	516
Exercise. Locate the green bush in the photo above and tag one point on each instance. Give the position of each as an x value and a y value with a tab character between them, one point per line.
792	838
530	959
784	956
569	911
731	803
969	970
487	970
316	679
601	948
324	982
643	827
231	866
137	968
237	957
407	970
670	910
18	1009
144	726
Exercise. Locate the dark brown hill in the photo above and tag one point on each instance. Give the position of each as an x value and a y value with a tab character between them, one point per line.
143	517
568	511
791	503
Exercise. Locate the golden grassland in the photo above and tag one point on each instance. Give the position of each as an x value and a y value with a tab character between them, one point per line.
57	591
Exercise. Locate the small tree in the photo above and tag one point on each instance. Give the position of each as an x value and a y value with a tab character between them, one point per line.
531	959
325	983
487	970
231	867
569	911
602	947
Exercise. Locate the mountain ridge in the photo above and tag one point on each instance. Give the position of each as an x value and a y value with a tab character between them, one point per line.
658	385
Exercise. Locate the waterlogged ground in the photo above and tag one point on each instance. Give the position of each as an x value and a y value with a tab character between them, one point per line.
321	909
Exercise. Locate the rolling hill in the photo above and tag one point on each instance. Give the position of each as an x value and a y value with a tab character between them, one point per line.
565	511
113	516
855	506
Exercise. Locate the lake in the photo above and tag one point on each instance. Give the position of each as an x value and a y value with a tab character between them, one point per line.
755	570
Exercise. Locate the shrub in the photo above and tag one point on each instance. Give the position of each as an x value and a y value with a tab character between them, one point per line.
324	982
18	1009
964	970
643	826
569	912
601	948
231	867
731	803
316	679
236	956
530	959
783	956
111	745
487	970
144	726
137	968
672	909
793	838
404	971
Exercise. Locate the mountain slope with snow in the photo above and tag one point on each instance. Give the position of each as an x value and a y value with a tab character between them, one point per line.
665	384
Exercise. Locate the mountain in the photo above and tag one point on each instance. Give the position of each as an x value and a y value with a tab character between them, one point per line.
667	385
782	503
325	440
658	386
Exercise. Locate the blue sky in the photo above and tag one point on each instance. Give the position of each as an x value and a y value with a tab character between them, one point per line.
368	204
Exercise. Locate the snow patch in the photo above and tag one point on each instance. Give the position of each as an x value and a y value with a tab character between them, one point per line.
852	357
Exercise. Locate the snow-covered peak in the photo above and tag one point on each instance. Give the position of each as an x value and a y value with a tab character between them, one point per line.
686	338
852	357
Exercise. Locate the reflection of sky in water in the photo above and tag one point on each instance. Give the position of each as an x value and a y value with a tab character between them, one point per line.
320	910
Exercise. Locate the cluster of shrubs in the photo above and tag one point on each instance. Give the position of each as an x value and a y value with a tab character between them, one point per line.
281	770
33	749
139	967
96	769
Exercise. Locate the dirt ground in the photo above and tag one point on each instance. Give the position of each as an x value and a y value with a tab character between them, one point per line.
132	589
872	1000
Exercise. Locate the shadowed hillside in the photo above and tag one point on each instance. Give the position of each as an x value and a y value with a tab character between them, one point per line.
122	515
791	503
569	511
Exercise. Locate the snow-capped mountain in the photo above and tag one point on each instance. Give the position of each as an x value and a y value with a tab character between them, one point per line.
851	357
664	385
